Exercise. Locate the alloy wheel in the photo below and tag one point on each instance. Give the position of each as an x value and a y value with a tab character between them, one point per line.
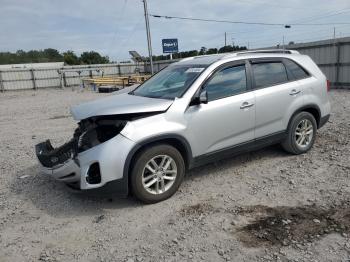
159	174
304	133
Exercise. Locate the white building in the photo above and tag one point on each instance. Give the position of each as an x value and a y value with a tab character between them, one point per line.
33	65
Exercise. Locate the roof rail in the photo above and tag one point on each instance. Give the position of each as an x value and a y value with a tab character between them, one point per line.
269	51
186	58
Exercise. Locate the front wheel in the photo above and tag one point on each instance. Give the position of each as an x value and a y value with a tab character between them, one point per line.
301	134
157	173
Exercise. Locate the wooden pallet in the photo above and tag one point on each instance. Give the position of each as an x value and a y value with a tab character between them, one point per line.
122	81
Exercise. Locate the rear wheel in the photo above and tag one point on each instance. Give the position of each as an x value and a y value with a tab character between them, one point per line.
301	134
157	173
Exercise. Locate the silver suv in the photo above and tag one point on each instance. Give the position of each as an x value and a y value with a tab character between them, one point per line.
193	112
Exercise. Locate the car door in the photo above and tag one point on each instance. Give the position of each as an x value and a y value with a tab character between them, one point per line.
275	94
228	117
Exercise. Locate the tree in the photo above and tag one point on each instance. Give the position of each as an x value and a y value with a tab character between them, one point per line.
202	51
93	57
70	58
225	49
52	55
212	51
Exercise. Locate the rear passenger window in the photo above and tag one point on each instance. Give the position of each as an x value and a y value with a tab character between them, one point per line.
269	73
227	82
297	71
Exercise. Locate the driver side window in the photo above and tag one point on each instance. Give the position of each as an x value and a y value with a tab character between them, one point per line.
227	82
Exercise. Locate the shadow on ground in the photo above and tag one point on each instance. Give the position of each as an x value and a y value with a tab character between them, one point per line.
226	164
56	199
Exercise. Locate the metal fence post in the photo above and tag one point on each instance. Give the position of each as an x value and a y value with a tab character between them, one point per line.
119	70
90	72
64	79
60	74
337	65
33	78
2	88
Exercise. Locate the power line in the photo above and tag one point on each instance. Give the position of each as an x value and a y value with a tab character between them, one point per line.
274	42
272	5
318	16
243	22
304	20
303	31
116	32
323	15
126	40
213	20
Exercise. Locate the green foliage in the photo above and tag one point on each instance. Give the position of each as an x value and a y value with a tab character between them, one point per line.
230	48
33	56
93	57
70	58
203	51
185	54
212	51
51	55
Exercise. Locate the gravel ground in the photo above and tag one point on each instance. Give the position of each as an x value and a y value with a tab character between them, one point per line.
262	206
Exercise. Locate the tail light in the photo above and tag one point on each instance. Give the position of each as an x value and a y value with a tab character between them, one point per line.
328	85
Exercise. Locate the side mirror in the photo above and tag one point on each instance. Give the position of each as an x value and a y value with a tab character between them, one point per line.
200	98
203	97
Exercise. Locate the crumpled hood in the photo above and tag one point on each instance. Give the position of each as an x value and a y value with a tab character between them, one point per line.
119	104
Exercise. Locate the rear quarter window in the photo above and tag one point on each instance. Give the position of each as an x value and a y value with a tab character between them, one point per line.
297	71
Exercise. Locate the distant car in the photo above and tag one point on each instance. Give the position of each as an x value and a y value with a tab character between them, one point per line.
193	112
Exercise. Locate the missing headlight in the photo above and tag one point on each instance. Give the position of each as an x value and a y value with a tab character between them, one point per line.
96	131
105	133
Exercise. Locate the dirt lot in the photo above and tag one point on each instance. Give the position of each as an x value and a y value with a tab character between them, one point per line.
262	206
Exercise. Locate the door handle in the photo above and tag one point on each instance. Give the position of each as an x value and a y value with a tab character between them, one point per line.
294	92
246	105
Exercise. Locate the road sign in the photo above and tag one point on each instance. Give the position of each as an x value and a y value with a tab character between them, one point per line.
170	46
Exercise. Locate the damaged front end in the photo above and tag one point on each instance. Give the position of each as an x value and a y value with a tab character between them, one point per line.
63	162
98	152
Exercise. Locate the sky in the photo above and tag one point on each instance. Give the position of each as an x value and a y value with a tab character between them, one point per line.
113	27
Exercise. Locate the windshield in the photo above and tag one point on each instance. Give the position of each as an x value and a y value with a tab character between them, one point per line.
171	82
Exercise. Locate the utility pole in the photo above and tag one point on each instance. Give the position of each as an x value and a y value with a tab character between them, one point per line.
225	39
334	34
149	42
283	44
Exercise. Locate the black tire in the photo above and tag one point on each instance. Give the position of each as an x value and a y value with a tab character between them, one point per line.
138	168
290	144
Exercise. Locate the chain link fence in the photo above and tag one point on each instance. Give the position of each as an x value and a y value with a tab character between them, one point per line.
67	76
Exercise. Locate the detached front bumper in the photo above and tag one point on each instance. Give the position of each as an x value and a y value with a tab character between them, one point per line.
60	163
89	169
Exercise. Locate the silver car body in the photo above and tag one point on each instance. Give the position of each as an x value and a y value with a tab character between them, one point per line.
203	129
